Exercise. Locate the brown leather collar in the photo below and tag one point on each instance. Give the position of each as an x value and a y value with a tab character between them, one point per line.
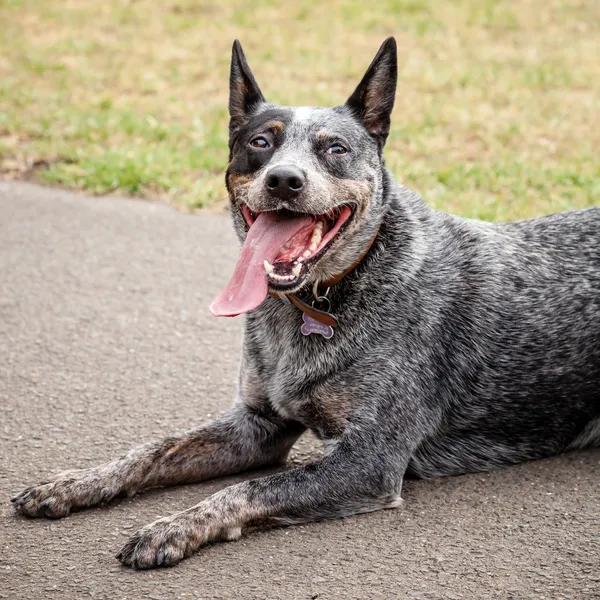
320	315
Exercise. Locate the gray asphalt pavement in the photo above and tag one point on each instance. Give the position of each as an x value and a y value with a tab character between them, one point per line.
106	342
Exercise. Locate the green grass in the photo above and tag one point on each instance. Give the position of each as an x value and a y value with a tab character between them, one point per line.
497	112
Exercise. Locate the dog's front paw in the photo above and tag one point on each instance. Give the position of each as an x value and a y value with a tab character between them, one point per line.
169	540
56	498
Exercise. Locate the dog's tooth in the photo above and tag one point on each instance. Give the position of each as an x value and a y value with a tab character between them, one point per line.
306	253
319	226
296	270
312	247
277	277
300	259
268	266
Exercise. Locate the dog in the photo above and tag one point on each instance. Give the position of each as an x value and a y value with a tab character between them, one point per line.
411	342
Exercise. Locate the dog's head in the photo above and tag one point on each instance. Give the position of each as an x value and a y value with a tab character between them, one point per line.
305	183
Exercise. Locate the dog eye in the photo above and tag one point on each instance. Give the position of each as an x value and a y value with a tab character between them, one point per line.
336	149
259	142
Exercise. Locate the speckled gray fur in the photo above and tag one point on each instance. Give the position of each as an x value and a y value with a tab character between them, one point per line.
462	345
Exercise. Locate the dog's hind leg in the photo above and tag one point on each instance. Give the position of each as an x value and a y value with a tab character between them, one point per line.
243	438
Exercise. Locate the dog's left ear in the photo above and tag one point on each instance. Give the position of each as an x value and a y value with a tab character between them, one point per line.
244	93
373	100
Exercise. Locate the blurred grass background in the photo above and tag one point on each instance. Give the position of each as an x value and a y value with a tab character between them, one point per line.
497	114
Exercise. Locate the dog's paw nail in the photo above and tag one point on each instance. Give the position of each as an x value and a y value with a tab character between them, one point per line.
126	553
160	558
20	499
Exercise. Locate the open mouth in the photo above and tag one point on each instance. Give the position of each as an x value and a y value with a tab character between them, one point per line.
306	246
280	248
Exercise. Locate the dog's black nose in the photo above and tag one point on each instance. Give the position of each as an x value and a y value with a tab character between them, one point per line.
285	182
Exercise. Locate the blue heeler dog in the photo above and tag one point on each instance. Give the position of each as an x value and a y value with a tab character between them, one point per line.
410	341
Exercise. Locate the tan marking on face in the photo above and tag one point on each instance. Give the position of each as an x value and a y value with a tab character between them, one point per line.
276	126
352	189
324	135
354	192
237	182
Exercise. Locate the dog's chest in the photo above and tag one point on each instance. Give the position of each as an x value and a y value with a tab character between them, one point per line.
301	375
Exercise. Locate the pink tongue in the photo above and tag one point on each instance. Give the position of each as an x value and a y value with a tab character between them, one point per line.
248	286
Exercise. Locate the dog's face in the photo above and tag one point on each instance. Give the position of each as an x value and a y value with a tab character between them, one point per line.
316	171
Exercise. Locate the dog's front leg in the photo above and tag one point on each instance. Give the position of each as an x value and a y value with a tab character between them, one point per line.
241	439
357	476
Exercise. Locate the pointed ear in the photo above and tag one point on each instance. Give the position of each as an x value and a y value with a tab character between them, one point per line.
373	100
244	93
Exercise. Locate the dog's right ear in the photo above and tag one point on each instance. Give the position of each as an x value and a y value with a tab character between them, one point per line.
244	93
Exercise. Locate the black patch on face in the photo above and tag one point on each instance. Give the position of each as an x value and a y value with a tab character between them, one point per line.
243	158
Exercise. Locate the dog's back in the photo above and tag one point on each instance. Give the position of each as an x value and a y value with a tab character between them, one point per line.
518	352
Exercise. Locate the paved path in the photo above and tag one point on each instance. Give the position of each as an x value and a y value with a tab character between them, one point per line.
106	341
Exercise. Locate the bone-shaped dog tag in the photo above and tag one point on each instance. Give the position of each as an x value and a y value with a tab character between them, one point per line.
309	326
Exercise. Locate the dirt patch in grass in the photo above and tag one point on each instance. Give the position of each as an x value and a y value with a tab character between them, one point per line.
497	113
